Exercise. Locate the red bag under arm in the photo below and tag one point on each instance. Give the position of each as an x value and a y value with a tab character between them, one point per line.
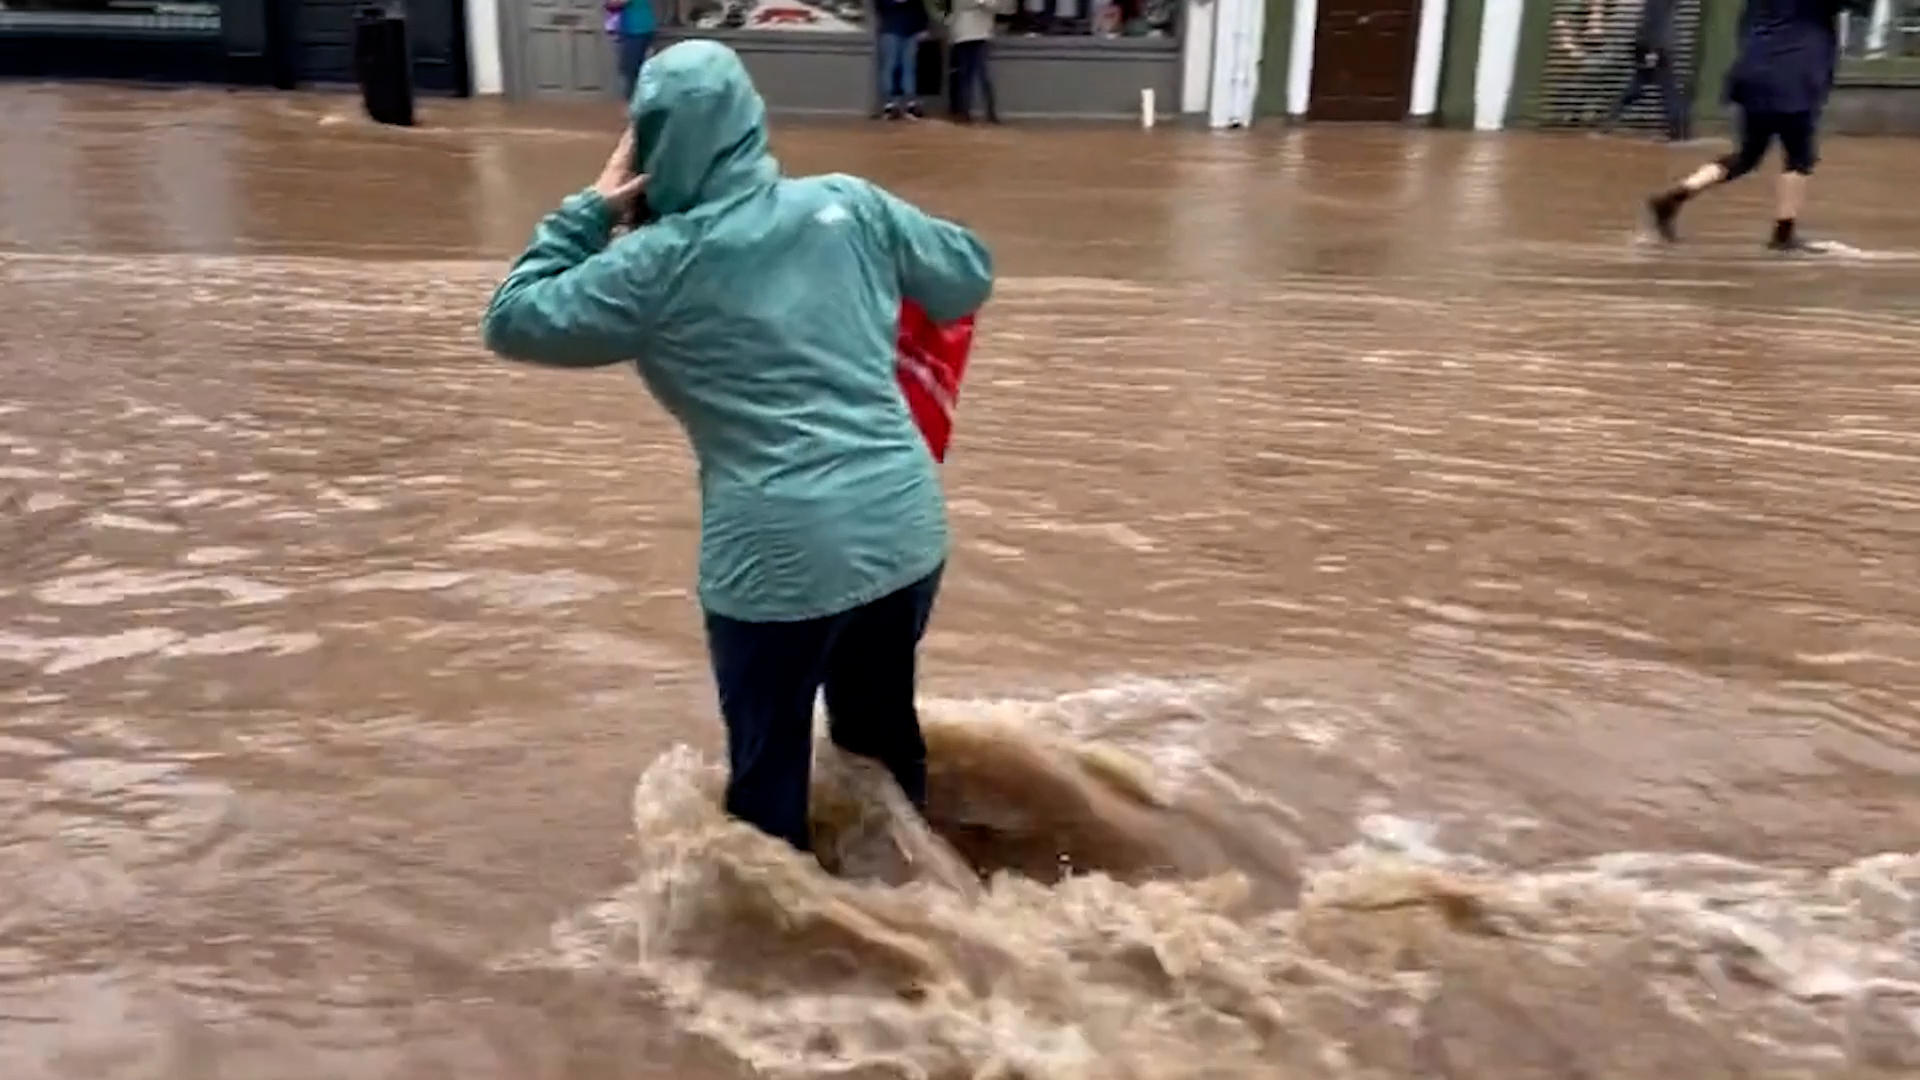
931	361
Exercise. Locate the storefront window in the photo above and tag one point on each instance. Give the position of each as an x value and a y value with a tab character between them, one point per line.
1093	18
1022	18
1887	40
140	18
803	16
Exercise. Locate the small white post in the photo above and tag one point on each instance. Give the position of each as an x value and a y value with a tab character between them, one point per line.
1146	107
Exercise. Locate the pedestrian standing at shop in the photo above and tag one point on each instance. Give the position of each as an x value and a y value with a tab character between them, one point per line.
632	23
970	31
1653	67
902	23
1780	81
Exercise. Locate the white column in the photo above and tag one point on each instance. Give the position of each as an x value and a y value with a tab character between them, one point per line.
1236	62
1426	60
483	47
1248	87
1493	76
1196	79
1306	15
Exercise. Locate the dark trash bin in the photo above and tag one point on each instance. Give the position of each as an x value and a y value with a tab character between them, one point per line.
383	65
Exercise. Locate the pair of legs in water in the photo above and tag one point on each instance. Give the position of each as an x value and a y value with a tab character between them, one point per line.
769	675
1758	132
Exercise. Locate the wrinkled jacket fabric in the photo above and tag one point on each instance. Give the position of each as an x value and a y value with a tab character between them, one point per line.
1788	52
761	312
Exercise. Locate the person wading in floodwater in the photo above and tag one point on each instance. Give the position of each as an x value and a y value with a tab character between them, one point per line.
1653	66
1780	81
762	312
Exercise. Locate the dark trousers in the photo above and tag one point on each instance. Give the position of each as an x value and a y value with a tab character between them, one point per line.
1654	68
972	70
1759	130
769	675
633	53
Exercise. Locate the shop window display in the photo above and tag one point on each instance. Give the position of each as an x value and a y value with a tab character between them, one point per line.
1093	18
802	16
1029	18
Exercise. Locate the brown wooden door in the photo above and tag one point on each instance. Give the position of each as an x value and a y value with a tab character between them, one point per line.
1363	59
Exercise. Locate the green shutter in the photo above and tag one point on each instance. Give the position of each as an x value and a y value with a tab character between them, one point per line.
1588	61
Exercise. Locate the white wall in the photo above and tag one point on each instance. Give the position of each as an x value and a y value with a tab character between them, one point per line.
1196	76
1236	61
1493	76
1426	59
483	47
1306	14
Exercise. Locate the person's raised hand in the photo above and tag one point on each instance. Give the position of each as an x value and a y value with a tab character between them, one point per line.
619	185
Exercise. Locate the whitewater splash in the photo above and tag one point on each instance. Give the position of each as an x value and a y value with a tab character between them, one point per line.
1069	911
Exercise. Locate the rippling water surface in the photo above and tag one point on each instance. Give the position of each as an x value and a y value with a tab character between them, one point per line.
1400	626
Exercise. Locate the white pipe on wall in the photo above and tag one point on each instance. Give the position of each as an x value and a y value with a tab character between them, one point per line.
1493	76
1426	59
1306	15
483	47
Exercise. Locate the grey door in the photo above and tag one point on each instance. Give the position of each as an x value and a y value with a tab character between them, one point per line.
563	50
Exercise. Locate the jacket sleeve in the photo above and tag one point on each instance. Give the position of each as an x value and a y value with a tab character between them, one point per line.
943	267
573	301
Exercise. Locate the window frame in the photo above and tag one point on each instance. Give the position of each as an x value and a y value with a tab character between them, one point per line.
1903	29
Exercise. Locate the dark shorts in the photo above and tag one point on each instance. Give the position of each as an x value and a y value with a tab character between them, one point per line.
768	676
1760	130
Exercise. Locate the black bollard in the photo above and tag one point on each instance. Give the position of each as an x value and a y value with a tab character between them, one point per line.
383	64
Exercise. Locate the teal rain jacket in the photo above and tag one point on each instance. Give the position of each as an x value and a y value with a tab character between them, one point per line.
762	313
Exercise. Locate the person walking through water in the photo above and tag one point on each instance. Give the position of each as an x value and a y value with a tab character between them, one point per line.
1780	82
762	313
1653	67
632	24
902	24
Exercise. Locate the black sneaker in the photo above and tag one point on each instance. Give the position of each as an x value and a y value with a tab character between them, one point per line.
914	112
1797	245
1665	212
891	112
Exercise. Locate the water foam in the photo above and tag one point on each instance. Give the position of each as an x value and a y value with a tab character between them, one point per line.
1108	938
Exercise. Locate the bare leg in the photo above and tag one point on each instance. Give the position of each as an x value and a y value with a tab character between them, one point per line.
1757	132
1664	208
1704	177
1789	195
1797	140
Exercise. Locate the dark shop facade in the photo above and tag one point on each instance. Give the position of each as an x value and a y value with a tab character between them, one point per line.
284	43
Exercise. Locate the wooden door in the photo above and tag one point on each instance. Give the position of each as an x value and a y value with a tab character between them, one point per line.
565	50
1363	54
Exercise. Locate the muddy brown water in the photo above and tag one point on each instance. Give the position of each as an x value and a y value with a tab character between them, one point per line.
1522	621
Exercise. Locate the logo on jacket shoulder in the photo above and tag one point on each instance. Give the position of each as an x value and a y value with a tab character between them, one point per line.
831	214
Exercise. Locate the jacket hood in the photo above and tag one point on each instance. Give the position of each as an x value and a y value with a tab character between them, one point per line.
700	127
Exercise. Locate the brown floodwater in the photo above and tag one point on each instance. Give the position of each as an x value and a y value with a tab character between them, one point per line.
1458	639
